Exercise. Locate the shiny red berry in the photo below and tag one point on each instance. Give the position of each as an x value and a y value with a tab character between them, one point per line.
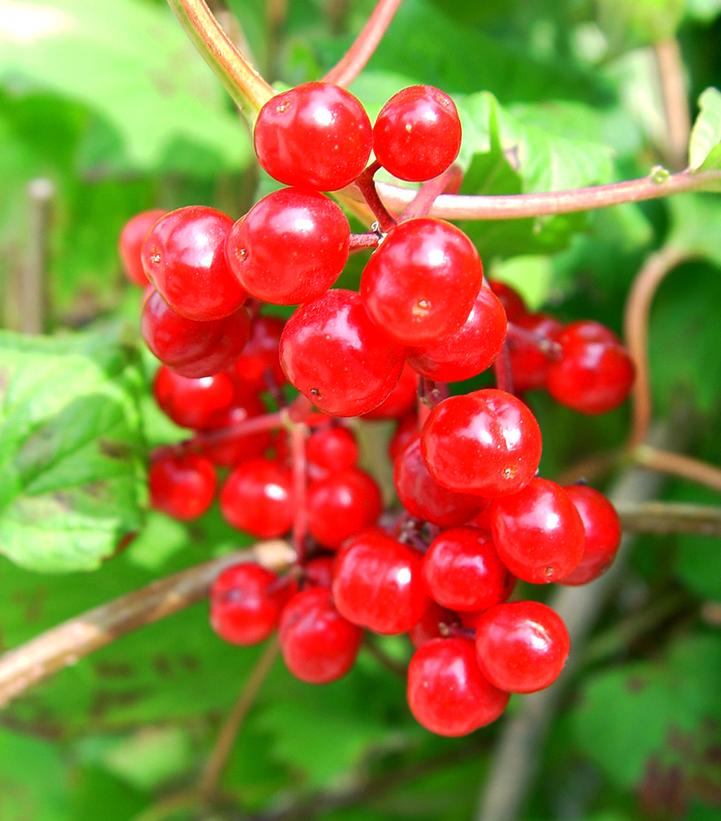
421	283
429	626
290	247
417	134
378	583
332	448
594	373
193	403
511	300
316	135
447	693
317	643
188	347
529	350
335	355
602	534
184	258
181	485
538	532
521	646
131	241
318	572
401	400
226	445
469	350
258	497
486	442
463	571
423	497
259	358
341	505
406	430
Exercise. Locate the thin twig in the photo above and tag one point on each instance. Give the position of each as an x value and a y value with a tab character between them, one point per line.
229	732
669	64
241	79
354	60
427	194
368	189
670	517
33	281
61	646
636	321
676	464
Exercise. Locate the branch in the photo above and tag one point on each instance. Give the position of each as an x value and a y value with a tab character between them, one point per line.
676	464
354	60
241	79
523	206
65	644
636	320
670	69
670	517
515	761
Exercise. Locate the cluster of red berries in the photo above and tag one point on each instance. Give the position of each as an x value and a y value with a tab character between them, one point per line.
475	517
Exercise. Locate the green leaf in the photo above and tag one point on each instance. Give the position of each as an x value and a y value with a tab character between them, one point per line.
642	22
691	215
704	152
71	450
705	11
131	63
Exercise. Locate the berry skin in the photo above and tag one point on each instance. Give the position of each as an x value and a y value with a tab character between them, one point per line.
316	135
421	283
131	241
227	448
191	348
317	643
602	534
341	505
529	361
511	300
521	646
290	247
538	532
378	583
258	497
417	134
193	403
406	430
182	486
332	448
337	357
245	603
469	350
184	258
260	355
429	626
447	693
486	442
463	571
594	373
318	572
423	497
401	400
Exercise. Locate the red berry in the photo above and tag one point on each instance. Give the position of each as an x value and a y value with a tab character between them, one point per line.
317	643
315	135
594	373
421	283
401	400
538	532
522	646
333	448
378	583
184	258
228	448
429	626
486	442
341	505
290	247
318	572
417	134
188	347
193	403
260	355
423	497
463	571
529	361
245	603
469	350
511	300
182	486
406	430
447	693
258	497
336	356
602	534
131	241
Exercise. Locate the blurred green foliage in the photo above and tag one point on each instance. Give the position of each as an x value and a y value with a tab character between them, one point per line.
109	101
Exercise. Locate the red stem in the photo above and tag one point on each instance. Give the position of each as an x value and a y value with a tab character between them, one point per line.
353	61
421	204
502	369
361	242
367	188
298	435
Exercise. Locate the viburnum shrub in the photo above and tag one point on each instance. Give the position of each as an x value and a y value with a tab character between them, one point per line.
471	515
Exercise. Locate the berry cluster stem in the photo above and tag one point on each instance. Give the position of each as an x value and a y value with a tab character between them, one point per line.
367	187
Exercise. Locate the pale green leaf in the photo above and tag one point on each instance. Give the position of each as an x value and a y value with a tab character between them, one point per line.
705	145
